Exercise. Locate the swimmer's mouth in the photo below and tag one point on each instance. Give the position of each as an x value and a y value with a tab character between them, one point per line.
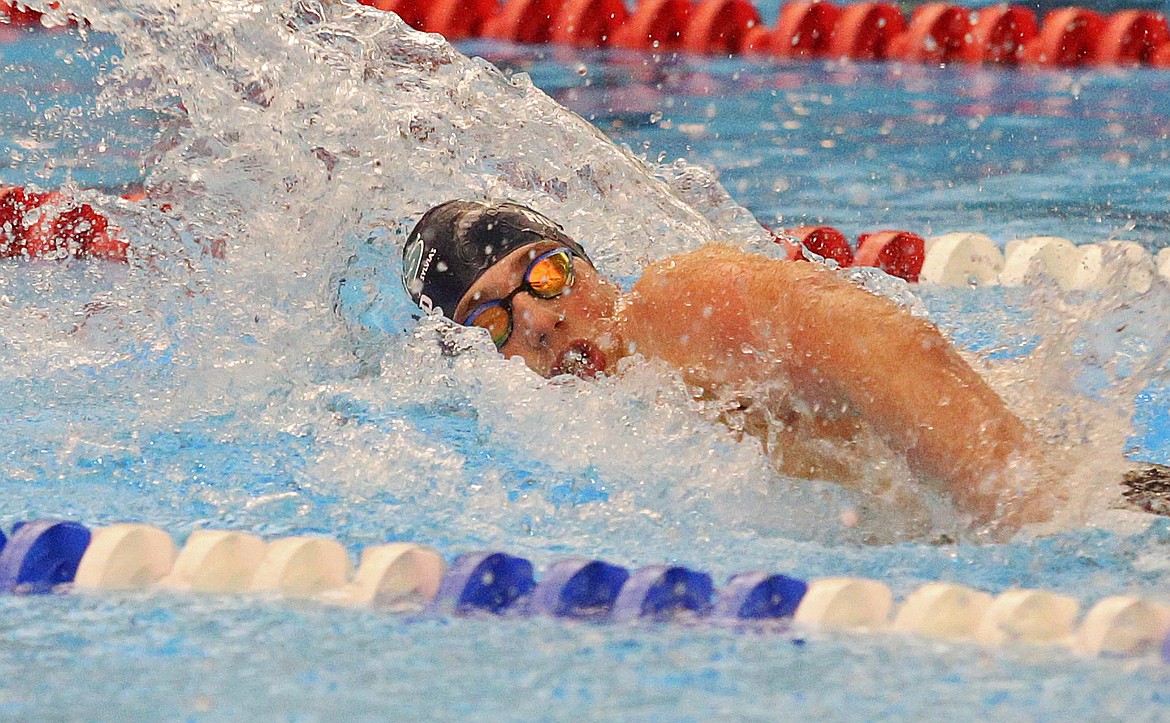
581	359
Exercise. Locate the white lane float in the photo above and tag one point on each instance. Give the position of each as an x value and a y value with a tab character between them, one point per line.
1039	256
399	575
1123	625
971	259
961	259
943	610
845	603
125	556
1162	261
216	561
302	567
1120	264
1028	616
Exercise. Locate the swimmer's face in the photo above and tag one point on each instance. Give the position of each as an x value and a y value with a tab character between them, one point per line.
572	333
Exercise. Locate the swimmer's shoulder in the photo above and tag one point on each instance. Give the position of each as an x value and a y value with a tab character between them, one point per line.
719	268
705	272
724	261
719	254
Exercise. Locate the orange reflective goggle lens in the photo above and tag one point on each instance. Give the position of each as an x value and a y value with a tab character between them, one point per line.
547	277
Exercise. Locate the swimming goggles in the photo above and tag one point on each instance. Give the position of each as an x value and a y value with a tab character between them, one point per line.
547	277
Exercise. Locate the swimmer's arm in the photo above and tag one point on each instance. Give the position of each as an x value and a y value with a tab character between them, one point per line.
902	374
727	318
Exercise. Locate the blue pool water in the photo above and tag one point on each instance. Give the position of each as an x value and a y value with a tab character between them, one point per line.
289	390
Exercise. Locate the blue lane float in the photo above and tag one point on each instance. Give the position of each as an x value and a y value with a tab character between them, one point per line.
579	588
663	592
485	581
759	595
41	555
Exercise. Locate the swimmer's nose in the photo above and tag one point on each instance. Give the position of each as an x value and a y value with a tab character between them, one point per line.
536	318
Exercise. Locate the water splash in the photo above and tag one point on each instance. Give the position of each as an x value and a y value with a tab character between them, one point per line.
288	385
1096	352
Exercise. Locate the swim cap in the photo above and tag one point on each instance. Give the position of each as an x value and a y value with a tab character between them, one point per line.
454	243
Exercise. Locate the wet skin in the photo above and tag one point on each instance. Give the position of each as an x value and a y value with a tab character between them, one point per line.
732	321
575	332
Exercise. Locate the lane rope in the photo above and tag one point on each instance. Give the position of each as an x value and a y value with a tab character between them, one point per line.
59	556
937	32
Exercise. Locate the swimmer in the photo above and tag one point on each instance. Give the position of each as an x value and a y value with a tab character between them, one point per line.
771	335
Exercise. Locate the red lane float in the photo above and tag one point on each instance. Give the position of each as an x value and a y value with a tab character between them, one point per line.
655	25
999	35
18	15
757	39
804	29
824	241
720	26
459	19
412	12
937	33
1161	57
866	31
898	253
588	23
1131	37
52	226
1067	38
524	21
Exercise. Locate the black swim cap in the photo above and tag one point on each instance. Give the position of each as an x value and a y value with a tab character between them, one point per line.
454	243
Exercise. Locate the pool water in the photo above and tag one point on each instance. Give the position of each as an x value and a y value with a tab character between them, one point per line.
288	389
1079	154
